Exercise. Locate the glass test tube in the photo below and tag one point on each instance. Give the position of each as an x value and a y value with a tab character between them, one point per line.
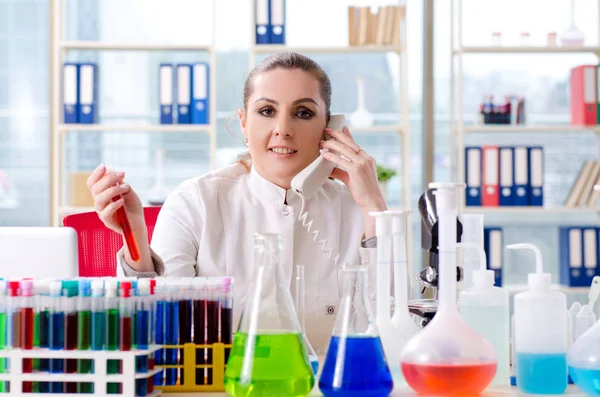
111	305
12	304
26	328
69	299
57	333
171	332
98	320
126	311
143	309
185	319
3	331
159	329
41	336
199	312
226	303
212	321
151	300
84	320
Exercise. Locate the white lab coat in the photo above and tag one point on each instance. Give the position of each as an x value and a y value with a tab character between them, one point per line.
206	228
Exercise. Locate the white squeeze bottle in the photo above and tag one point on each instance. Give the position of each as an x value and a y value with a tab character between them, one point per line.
486	309
540	333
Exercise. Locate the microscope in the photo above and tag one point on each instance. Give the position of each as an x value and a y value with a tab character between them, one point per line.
428	277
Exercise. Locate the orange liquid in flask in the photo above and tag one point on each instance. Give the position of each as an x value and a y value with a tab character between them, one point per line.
448	379
134	252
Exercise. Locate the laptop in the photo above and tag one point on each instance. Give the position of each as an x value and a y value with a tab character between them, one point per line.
38	252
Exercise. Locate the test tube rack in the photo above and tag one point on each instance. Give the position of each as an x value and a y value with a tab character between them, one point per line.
14	370
189	367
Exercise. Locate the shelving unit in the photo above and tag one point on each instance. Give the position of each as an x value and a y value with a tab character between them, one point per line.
59	47
458	126
403	126
271	48
545	216
524	50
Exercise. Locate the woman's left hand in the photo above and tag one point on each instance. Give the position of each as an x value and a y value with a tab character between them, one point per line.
361	170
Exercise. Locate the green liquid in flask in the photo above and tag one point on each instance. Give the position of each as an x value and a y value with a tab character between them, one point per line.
280	367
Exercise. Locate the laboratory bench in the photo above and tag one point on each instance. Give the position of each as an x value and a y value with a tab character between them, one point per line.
490	392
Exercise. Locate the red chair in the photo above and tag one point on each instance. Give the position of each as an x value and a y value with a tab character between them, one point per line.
98	245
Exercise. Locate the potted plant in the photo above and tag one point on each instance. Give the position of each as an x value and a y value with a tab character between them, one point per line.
384	174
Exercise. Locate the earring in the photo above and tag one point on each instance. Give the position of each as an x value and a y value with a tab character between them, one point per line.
246	142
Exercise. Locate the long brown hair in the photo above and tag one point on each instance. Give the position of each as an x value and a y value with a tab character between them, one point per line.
288	61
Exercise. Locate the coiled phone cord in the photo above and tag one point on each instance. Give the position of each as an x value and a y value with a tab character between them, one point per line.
303	219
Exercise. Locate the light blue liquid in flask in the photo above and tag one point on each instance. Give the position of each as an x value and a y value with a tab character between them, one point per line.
355	365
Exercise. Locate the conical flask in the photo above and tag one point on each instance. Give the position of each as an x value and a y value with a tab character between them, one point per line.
268	357
448	357
355	364
300	302
583	358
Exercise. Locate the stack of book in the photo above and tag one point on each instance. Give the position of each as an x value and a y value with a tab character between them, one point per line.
582	194
504	176
80	93
188	89
380	28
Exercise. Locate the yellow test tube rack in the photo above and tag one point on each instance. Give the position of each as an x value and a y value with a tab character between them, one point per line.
189	367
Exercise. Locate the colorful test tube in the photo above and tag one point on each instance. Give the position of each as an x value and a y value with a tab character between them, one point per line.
3	330
57	333
69	299
84	314
26	328
111	302
143	310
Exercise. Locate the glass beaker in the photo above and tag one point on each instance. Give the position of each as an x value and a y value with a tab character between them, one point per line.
268	357
355	364
300	302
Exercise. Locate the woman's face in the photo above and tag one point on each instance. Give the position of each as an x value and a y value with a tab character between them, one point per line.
284	123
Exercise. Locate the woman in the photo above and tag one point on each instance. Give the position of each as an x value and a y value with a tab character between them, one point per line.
206	226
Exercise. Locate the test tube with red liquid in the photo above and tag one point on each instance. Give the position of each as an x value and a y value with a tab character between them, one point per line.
150	389
212	321
132	246
26	328
126	309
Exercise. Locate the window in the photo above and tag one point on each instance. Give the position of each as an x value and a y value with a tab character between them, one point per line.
129	93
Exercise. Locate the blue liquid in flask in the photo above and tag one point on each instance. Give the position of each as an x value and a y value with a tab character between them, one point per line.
587	379
542	373
365	371
314	363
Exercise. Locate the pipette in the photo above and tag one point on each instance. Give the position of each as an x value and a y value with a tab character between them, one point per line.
401	318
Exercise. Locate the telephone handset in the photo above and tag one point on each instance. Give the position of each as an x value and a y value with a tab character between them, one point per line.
309	180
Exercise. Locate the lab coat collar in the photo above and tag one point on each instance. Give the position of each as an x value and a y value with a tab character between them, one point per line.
263	188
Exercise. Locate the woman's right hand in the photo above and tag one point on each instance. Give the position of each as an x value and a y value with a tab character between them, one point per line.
104	186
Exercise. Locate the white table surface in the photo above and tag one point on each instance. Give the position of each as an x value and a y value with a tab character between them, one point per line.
490	392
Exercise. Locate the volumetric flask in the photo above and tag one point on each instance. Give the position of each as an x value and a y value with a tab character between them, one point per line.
448	357
269	356
355	364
